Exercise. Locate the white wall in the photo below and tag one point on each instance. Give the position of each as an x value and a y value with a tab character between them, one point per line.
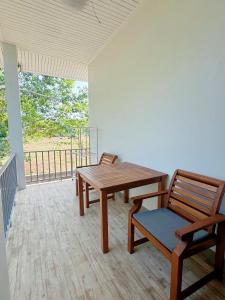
157	91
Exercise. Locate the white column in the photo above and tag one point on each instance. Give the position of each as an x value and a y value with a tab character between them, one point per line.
13	107
4	277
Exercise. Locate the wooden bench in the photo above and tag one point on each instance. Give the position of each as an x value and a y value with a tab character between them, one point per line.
188	223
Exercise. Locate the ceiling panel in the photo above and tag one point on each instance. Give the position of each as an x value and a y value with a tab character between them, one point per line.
56	39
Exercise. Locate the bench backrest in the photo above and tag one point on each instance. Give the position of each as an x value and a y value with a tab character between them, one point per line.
195	196
107	158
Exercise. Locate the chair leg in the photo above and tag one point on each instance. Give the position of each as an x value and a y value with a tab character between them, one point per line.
126	196
130	236
87	194
76	187
220	249
176	277
113	197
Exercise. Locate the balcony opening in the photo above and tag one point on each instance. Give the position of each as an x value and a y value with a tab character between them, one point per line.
56	135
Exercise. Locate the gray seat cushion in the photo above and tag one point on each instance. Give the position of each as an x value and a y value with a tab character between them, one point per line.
162	224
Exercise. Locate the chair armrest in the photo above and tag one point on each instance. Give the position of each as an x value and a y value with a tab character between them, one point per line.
188	231
138	200
149	195
87	166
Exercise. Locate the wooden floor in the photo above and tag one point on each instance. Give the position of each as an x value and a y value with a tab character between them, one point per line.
54	253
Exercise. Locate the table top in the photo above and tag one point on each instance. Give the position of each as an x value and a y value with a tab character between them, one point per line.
119	176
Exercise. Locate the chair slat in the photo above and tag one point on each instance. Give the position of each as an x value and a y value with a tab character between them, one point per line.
199	203
186	211
195	196
107	159
197	183
195	189
201	178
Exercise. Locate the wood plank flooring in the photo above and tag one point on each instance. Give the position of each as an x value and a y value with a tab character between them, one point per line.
55	254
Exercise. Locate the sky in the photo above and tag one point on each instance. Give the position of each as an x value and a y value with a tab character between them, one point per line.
79	85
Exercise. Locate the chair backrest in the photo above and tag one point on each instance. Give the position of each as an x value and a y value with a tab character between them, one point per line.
107	159
195	196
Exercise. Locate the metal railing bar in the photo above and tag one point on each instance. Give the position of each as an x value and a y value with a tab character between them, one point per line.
30	167
60	164
54	164
8	187
76	157
36	165
66	161
43	165
37	151
49	166
71	163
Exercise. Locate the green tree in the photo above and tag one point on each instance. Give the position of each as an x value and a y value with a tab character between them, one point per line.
50	107
3	114
3	120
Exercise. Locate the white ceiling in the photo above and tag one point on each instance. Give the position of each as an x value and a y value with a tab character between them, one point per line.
56	39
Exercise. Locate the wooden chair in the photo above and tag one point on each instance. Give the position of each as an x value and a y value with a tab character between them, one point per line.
106	159
189	223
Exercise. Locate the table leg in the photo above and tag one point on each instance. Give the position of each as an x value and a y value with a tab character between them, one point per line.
81	195
104	221
161	187
87	194
126	196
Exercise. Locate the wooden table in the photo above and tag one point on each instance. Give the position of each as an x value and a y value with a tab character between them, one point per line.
113	178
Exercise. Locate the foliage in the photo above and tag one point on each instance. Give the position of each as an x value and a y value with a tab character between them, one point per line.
3	115
3	121
50	107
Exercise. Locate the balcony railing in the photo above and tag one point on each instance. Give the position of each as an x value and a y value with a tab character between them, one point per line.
8	187
54	164
80	149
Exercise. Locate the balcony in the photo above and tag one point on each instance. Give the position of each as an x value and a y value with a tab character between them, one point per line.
54	254
155	72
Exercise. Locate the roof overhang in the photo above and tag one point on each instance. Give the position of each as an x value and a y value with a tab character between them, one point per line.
56	39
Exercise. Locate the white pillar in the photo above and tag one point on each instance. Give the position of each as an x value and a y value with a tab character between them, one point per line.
4	277
13	107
